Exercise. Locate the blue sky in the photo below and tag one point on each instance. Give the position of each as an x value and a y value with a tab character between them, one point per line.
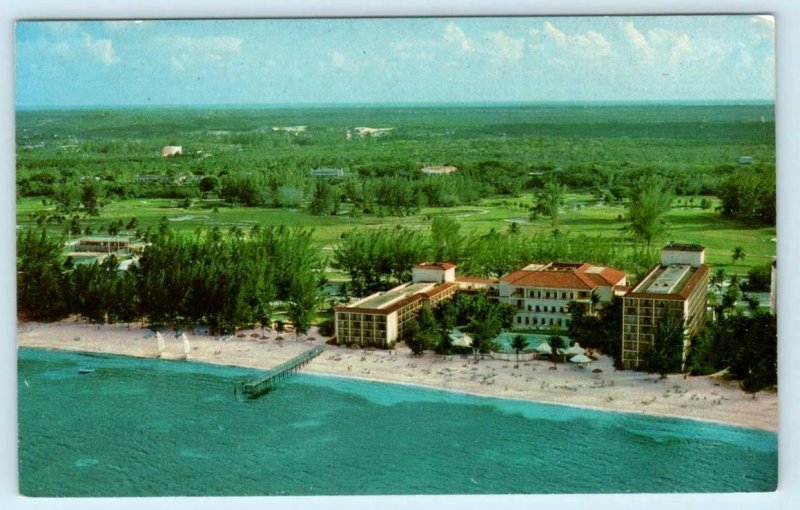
691	58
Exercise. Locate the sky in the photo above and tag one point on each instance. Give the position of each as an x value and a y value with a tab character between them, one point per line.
400	60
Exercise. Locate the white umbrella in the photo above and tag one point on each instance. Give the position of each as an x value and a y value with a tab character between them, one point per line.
580	358
544	348
575	349
461	339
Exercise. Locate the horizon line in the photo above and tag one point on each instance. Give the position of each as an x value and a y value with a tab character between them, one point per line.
405	104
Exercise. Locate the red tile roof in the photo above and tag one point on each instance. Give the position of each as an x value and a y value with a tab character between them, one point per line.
551	279
565	276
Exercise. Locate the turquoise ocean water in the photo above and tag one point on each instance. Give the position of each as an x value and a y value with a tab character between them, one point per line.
148	427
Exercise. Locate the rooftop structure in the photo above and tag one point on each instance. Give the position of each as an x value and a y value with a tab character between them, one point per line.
677	286
327	173
439	272
439	170
170	151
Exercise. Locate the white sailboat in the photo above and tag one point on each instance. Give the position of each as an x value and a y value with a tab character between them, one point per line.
161	344
186	347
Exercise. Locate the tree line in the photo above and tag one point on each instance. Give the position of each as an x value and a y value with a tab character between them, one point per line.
376	259
222	282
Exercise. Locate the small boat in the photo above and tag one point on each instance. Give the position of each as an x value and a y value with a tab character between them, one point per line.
186	347
160	343
85	370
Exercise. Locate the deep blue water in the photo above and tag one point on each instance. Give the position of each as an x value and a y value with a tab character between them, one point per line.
151	427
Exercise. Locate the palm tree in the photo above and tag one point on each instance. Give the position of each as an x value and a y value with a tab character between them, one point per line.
594	299
738	254
555	343
519	343
752	302
718	278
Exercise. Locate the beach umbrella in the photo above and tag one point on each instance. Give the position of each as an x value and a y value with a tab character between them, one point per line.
575	349
544	348
463	341
580	358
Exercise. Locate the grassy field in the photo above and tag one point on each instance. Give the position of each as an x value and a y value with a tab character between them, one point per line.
696	146
580	215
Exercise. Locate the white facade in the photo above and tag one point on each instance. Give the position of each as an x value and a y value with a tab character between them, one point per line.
683	254
433	273
169	151
542	307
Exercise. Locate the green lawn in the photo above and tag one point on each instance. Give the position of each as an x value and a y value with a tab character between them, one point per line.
580	215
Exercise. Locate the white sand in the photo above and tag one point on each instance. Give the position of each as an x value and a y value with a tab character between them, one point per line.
701	398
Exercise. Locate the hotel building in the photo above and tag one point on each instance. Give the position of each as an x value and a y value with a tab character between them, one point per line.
677	285
380	319
542	292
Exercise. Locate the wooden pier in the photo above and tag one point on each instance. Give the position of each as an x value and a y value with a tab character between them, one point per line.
254	388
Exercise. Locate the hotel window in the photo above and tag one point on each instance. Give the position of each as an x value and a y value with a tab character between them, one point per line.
539	294
563	295
547	295
527	320
553	309
538	309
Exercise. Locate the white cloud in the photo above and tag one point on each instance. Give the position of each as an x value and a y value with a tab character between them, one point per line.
203	45
639	42
503	47
101	49
196	52
677	48
176	64
117	25
497	45
557	35
358	63
454	34
339	60
591	44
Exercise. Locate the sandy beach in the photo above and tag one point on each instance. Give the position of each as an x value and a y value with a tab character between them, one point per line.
702	398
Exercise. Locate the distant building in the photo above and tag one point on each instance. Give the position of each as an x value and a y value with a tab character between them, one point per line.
439	170
99	244
327	173
745	160
542	292
170	151
150	178
678	285
773	288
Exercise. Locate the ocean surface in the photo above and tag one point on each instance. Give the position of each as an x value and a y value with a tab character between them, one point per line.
151	428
